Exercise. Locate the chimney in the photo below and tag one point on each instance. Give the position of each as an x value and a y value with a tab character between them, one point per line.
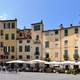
71	25
61	26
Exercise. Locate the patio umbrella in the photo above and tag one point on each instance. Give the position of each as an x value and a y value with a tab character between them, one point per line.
17	61
36	61
67	62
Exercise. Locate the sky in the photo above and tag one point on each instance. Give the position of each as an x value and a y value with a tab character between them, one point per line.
52	12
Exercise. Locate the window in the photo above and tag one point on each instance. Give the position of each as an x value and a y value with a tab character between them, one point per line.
56	39
37	37
20	41
56	32
20	48
37	51
12	49
20	34
27	48
6	57
76	55
13	25
4	25
1	44
36	27
8	48
37	57
76	30
65	32
1	32
65	42
5	49
47	55
47	44
65	54
20	57
12	57
2	56
6	36
8	25
28	41
28	56
12	36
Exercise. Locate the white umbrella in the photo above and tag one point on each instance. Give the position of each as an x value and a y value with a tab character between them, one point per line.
36	61
67	62
17	61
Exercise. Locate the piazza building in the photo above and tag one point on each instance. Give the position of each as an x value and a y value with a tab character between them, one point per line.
36	43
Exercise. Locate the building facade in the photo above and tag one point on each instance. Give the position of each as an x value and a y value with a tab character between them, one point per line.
36	43
8	40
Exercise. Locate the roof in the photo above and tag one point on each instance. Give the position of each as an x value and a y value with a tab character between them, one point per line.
41	22
62	28
8	20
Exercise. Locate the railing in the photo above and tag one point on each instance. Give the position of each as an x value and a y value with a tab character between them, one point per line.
37	42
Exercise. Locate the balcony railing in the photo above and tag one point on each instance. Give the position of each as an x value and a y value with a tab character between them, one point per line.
37	42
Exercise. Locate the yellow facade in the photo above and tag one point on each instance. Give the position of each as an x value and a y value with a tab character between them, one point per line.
8	27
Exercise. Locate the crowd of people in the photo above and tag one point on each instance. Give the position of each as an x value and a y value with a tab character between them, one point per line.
37	67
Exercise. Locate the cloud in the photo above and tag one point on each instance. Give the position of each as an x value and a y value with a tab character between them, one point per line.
3	17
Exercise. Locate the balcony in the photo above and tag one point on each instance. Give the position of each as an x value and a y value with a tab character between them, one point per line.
37	42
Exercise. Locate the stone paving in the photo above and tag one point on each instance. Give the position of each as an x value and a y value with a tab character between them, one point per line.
37	76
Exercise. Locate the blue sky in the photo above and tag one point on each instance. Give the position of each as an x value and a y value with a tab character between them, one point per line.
53	12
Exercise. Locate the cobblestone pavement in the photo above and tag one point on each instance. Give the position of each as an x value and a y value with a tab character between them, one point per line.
37	76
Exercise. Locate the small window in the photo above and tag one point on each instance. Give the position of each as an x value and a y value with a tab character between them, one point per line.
1	44
20	41
12	57
65	32
20	34
27	48
6	57
28	41
28	56
12	49
65	54
37	57
20	57
12	36
6	36
8	25
37	37
56	39
56	32
76	55
37	51
4	25
36	27
2	56
20	48
13	25
1	32
8	48
76	30
65	42
47	44
47	55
